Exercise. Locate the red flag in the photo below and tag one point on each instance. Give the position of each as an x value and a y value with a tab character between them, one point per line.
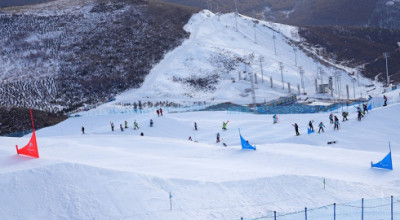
31	148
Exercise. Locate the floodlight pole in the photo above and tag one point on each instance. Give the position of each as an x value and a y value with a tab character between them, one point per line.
274	37
295	56
386	55
281	68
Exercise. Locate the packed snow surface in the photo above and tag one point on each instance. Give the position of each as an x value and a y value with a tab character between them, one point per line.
122	175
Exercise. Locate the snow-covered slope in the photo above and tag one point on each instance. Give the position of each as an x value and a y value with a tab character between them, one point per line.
121	175
204	67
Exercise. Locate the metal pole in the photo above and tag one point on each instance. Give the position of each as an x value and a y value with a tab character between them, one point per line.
348	95
273	37
386	55
362	209
281	67
274	215
391	207
334	211
262	72
255	35
295	56
271	82
298	88
288	85
316	86
354	87
305	212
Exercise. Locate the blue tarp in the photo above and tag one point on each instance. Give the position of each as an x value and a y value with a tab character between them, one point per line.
245	144
385	163
310	131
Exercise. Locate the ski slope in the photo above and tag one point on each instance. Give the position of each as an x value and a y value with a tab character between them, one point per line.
121	175
217	52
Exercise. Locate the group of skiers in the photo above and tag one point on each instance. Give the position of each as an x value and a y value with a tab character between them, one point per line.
159	112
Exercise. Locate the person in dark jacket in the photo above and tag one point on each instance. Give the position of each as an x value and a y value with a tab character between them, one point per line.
310	124
336	124
321	127
296	128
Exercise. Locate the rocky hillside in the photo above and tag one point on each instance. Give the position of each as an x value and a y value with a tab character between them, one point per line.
61	55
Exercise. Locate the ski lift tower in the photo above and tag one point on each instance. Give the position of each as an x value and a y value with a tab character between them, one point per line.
386	55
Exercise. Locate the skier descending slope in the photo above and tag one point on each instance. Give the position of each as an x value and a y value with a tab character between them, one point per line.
224	125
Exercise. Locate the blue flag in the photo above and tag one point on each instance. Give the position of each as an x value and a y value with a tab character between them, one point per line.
310	131
385	163
245	144
369	107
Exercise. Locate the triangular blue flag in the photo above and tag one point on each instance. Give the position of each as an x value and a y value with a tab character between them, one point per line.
310	131
369	107
245	144
385	163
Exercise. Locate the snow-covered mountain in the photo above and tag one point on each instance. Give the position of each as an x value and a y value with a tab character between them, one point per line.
219	61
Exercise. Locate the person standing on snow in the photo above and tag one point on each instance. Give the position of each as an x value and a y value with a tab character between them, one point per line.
126	124
83	130
161	111
224	125
359	114
345	114
218	138
158	113
310	124
296	128
135	125
365	108
331	118
120	126
385	100
336	124
112	126
275	118
195	126
151	122
321	127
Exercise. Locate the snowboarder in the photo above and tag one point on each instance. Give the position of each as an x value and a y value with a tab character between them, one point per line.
161	111
296	128
218	137
135	125
336	123
365	108
83	130
275	119
224	125
345	114
359	114
310	124
195	126
126	124
190	138
331	118
385	100
151	123
158	113
321	127
112	126
120	126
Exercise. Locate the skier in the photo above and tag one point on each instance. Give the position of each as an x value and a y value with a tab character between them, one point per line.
83	130
120	126
385	99
151	123
195	126
310	124
158	113
126	124
135	125
345	114
321	127
161	111
336	124
112	126
218	137
275	119
296	128
331	118
224	125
